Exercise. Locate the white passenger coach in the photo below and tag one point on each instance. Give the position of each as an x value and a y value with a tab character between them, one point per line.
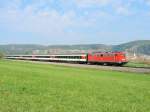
64	58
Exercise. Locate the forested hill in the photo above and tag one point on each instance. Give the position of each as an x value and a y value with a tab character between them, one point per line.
40	49
139	47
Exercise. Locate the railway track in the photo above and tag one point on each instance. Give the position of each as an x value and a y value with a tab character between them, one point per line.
100	67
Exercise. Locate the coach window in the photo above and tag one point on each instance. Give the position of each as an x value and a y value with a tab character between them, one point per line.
46	56
101	55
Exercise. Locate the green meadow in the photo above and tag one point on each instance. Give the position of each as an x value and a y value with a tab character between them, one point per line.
30	87
137	64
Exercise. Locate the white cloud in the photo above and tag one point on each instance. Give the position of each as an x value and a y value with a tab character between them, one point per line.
89	3
148	2
122	10
119	7
41	22
48	23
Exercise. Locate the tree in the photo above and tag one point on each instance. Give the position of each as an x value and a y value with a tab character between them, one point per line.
1	55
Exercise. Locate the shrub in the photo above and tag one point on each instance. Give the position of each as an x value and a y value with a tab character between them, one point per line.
1	55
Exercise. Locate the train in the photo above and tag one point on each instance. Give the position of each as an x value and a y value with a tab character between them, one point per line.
103	58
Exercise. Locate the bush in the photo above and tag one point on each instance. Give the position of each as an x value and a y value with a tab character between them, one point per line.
1	55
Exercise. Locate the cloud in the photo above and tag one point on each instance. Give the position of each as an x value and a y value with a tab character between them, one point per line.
119	7
78	20
90	3
28	20
42	21
123	10
148	2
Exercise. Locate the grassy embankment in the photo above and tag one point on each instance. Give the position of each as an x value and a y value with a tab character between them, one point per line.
27	87
137	64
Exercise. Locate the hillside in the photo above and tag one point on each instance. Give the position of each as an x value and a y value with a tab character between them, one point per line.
20	48
138	47
39	49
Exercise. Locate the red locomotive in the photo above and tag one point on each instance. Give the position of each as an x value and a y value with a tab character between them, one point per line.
106	58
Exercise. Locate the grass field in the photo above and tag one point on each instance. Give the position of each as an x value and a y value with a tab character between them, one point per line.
27	87
137	64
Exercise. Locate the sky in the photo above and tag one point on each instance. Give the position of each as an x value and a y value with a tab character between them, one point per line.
52	22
